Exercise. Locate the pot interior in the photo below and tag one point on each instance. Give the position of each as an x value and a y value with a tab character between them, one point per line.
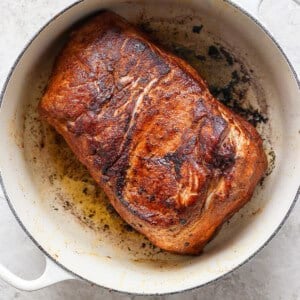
69	216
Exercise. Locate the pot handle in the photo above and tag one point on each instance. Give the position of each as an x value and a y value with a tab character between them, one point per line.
52	274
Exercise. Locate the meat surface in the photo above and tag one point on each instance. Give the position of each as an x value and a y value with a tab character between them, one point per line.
174	162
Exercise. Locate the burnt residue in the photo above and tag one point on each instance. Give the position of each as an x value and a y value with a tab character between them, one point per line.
214	52
201	57
226	93
128	228
197	28
232	96
111	209
146	27
208	60
213	59
229	58
271	161
183	52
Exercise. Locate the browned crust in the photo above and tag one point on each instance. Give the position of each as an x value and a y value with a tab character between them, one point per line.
174	162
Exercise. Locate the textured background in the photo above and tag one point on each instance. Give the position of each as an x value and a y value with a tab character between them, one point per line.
273	274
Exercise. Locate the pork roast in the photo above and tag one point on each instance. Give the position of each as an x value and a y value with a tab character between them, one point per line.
174	161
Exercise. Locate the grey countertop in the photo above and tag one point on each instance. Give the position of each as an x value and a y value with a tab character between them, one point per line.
272	274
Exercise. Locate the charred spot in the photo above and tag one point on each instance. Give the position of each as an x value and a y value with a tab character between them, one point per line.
235	77
201	57
59	139
146	27
186	244
229	58
103	166
214	90
197	28
91	215
106	227
222	162
128	228
245	78
225	94
253	116
183	52
177	161
110	209
214	52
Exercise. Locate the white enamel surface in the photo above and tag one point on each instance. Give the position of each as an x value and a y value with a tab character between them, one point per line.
75	248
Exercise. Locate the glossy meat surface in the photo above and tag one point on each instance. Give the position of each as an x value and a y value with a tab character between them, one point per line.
174	162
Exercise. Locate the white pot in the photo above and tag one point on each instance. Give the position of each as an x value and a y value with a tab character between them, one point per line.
72	250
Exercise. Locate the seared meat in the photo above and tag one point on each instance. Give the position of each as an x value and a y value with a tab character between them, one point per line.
174	162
